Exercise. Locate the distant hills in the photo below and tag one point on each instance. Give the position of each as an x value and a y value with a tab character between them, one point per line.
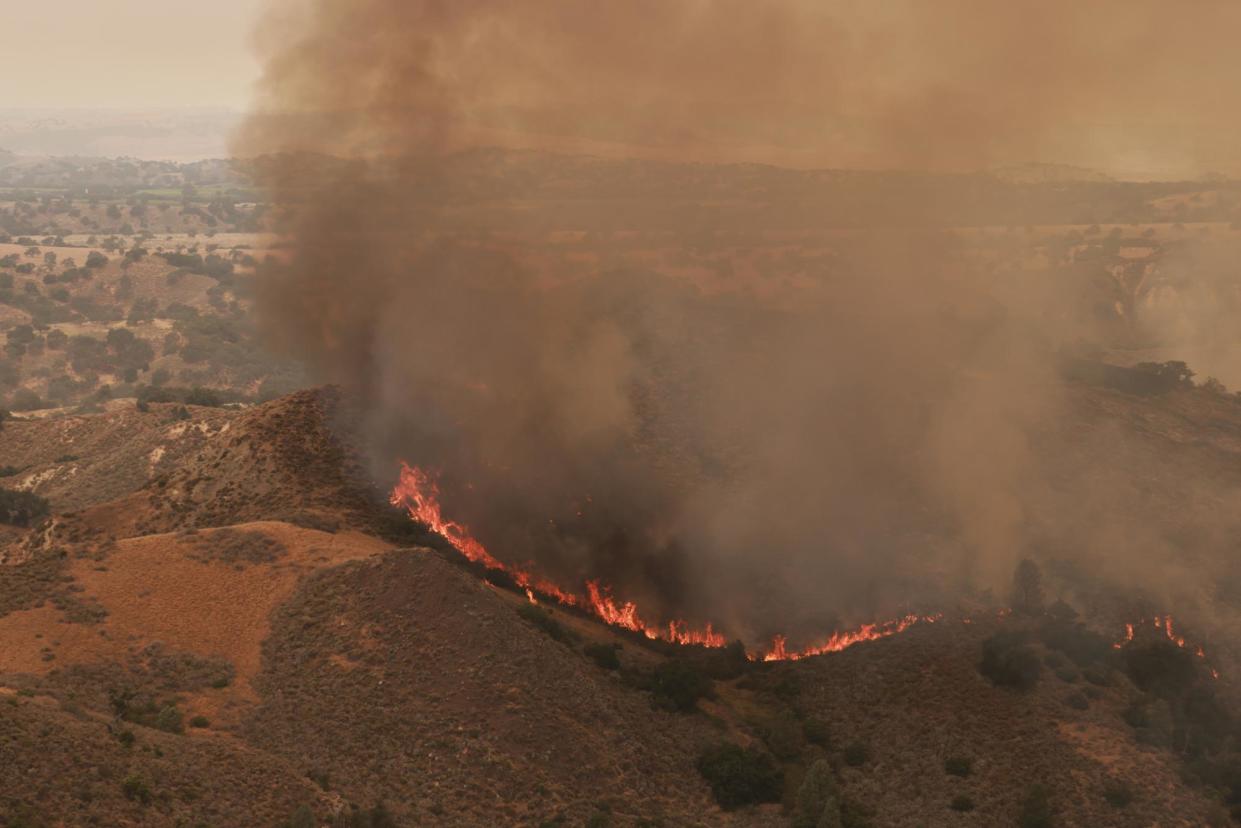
188	134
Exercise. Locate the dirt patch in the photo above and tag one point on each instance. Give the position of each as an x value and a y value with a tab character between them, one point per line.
154	589
35	641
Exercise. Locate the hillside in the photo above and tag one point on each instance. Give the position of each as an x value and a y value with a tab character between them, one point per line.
228	637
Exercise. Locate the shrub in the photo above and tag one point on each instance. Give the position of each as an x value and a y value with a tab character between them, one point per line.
739	776
1161	668
856	754
303	817
200	721
961	766
169	720
1035	808
204	397
783	735
604	655
961	803
1084	647
1077	701
1008	661
22	508
136	789
542	619
816	731
26	400
377	817
817	797
1117	793
1137	714
678	685
1098	676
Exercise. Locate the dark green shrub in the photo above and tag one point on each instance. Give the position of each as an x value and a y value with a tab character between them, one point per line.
303	817
200	721
961	766
22	508
856	754
816	731
783	736
1036	809
169	720
1161	668
203	397
1117	793
1098	676
678	685
1009	662
136	789
739	776
542	619
961	803
1084	647
354	817
817	798
1137	714
1077	701
604	655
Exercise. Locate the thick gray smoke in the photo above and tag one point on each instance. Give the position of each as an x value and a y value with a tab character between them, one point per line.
872	432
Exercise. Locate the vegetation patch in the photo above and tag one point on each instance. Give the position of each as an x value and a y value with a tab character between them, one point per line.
236	546
543	619
1009	661
22	508
741	776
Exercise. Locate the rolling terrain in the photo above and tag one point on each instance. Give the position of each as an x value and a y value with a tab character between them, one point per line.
246	631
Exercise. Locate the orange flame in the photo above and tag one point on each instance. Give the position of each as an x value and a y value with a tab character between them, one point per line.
844	639
1163	623
417	491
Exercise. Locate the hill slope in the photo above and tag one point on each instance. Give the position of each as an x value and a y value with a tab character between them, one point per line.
236	633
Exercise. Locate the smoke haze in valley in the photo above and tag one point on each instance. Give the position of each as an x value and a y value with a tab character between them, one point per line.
892	430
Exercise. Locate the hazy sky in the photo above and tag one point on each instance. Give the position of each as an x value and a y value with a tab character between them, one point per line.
127	53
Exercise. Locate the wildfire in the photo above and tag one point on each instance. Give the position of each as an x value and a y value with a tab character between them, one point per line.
417	491
1163	623
844	639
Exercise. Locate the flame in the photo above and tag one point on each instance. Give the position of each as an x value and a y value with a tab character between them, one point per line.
841	640
1163	623
417	491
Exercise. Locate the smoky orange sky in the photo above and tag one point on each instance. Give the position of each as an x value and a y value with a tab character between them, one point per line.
127	53
1138	89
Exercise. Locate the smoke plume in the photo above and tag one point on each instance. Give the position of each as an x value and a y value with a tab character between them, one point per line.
716	422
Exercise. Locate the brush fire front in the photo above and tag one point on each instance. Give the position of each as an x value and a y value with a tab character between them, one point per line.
418	492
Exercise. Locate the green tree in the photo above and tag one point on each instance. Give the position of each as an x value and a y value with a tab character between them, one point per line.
817	798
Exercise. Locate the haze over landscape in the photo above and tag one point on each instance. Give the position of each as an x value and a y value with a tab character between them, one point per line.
648	413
